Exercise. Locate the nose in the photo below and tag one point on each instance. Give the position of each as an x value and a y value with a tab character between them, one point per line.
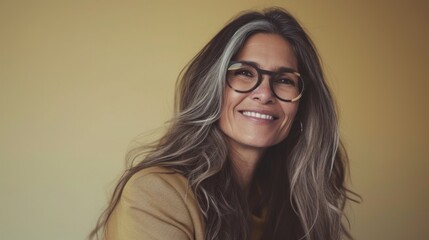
263	93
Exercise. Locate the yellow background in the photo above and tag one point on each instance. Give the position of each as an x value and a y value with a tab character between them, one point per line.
80	79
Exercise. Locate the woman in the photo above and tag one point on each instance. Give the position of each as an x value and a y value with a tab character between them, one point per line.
253	151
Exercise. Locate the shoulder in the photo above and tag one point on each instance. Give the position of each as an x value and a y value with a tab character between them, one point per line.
157	172
159	181
156	203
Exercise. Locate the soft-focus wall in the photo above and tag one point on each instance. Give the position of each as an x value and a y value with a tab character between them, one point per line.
80	79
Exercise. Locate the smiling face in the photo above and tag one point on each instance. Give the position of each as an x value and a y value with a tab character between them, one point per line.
257	120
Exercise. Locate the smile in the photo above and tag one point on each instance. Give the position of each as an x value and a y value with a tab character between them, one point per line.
258	115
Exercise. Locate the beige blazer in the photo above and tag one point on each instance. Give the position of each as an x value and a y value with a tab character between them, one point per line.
156	204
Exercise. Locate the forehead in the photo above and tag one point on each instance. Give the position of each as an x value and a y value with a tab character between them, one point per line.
269	51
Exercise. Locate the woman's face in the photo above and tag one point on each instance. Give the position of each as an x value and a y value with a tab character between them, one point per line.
257	120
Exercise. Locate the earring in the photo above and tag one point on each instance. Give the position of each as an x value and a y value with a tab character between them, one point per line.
302	128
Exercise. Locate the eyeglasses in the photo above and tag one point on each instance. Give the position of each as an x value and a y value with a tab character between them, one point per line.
286	84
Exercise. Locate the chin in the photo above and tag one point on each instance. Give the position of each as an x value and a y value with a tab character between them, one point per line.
259	143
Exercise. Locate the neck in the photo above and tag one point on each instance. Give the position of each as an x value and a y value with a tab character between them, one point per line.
245	161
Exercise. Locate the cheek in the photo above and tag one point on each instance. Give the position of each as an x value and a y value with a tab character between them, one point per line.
231	100
227	111
223	120
289	117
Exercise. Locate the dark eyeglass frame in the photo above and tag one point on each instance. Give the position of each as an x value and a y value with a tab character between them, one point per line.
271	75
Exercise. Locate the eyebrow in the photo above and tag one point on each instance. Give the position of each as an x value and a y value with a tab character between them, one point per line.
279	69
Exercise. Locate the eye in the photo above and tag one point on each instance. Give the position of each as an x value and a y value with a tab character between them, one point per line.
243	72
285	81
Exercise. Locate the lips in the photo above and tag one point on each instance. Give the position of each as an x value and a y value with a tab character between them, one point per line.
259	115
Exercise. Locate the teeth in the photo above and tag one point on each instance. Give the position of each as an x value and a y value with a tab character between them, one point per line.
258	115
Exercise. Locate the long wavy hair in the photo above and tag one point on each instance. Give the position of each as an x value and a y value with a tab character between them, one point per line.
301	180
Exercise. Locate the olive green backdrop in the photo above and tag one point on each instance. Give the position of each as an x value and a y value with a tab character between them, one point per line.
79	80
